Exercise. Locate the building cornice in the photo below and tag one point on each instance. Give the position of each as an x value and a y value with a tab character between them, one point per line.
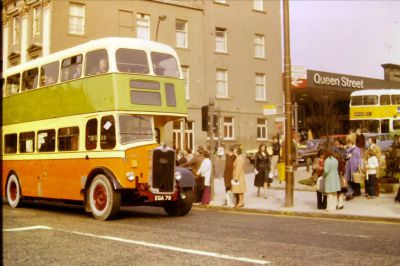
5	19
193	4
46	3
25	10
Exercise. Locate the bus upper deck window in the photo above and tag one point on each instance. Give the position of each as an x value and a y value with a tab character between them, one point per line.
165	65
385	100
71	68
96	62
12	85
49	74
370	99
132	61
395	99
30	79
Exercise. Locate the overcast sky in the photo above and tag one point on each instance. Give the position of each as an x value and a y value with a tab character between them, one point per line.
346	37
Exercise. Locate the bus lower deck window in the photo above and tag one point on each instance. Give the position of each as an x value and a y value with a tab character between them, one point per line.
10	143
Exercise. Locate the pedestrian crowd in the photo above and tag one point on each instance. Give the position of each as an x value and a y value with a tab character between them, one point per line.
340	170
234	176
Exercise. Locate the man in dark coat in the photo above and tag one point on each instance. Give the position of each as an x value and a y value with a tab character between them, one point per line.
228	171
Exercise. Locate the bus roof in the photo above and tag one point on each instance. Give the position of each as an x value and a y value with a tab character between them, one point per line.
377	92
109	42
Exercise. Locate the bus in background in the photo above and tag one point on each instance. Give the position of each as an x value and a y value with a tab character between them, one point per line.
375	111
80	126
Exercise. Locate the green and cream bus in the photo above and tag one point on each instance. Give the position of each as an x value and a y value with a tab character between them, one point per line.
81	126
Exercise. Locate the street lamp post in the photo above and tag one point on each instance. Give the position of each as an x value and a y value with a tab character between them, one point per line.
288	109
160	18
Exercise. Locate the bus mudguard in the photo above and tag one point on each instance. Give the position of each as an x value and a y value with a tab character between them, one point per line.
105	171
186	177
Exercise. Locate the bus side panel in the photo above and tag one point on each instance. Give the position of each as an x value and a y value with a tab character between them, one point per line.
62	178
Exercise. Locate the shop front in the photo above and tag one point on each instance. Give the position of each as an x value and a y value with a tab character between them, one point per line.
321	99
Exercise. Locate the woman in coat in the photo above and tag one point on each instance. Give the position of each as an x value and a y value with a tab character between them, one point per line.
332	181
353	163
262	167
239	186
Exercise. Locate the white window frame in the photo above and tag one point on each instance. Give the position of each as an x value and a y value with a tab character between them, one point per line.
16	33
263	129
37	21
221	43
186	78
143	26
181	35
260	87
221	78
259	46
229	128
188	134
258	5
76	19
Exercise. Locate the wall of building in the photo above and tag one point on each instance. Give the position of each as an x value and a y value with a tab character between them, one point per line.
104	19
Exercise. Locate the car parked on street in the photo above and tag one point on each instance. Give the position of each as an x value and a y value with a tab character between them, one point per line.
307	153
383	140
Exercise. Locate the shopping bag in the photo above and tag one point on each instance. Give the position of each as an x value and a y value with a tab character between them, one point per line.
230	199
235	182
358	177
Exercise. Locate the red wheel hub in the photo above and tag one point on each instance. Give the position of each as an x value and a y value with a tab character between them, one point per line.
100	197
13	191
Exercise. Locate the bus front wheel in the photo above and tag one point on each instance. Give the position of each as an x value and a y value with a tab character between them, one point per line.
13	191
104	201
182	205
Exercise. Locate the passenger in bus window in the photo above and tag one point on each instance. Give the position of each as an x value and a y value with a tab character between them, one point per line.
66	74
102	66
78	72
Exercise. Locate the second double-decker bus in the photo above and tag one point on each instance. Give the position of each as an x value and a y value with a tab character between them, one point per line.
81	125
376	111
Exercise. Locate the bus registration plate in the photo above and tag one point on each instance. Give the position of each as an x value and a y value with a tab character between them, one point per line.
162	197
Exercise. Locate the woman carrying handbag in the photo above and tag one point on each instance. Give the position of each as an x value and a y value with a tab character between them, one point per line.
239	186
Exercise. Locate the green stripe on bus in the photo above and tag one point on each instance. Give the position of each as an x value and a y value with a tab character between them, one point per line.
110	92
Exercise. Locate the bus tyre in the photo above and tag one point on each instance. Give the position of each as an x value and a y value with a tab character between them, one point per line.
104	201
180	207
13	191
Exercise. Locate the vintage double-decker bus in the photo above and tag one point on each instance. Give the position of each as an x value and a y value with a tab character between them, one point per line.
81	126
376	111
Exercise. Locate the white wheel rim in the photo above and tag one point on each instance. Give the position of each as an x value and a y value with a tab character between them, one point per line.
94	197
13	193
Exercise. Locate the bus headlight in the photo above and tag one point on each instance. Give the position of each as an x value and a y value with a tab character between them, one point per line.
130	176
178	175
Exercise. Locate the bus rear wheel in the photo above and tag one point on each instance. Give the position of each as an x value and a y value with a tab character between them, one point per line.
104	201
13	191
181	206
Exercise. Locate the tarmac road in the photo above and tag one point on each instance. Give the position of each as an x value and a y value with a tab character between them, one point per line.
53	235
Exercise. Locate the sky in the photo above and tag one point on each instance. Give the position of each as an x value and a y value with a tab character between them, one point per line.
345	37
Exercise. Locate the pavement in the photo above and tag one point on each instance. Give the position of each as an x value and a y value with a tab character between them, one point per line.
382	208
